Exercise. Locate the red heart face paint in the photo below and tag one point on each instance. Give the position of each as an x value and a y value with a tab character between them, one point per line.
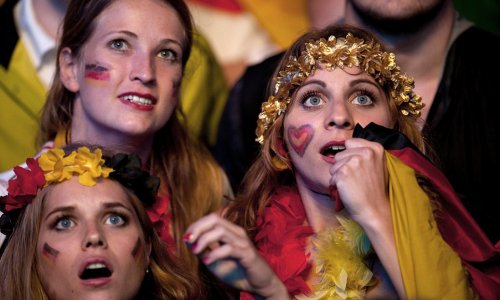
300	138
96	72
49	252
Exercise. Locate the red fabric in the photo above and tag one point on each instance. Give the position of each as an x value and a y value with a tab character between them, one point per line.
282	240
225	5
160	217
24	187
480	257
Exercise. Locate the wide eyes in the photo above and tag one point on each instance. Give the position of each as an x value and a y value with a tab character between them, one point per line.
362	99
67	222
64	223
312	99
115	219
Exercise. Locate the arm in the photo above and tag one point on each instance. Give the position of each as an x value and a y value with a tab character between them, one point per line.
361	178
228	252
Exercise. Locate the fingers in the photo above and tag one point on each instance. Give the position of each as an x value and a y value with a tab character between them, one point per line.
214	238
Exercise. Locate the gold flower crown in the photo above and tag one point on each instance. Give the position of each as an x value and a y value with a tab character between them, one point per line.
339	52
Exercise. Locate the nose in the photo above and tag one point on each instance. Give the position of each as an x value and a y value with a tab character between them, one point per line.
143	68
94	238
338	116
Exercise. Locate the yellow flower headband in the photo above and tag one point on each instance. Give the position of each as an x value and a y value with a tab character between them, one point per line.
54	166
339	52
89	166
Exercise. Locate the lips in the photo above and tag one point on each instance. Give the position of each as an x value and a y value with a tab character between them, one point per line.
330	149
138	99
95	269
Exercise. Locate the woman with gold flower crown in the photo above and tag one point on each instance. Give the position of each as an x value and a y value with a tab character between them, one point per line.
342	202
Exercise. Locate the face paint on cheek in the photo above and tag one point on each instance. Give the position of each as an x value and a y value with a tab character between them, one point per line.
49	252
137	248
300	138
96	72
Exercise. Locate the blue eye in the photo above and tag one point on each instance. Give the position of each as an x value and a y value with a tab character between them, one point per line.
64	223
115	219
363	99
118	44
312	99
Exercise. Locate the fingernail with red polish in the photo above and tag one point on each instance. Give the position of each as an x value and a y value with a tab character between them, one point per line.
187	237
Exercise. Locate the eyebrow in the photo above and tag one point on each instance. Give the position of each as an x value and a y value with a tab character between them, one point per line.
313	81
60	209
116	204
367	81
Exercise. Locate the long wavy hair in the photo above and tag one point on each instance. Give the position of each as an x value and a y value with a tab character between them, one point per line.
195	182
20	279
261	180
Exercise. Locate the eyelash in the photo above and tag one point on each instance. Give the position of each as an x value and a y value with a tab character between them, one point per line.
308	95
59	219
121	49
364	92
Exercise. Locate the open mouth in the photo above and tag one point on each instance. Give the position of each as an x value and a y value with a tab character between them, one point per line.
95	270
331	150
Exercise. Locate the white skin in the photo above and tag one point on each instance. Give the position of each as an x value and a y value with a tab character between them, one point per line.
139	44
215	239
90	224
420	53
329	104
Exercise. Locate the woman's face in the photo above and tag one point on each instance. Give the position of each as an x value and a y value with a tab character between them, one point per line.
322	115
90	245
128	74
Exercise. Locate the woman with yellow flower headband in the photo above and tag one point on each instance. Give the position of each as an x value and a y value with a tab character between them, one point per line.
78	229
117	84
341	201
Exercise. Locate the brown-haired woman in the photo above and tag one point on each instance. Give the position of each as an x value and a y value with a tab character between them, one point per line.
117	85
339	130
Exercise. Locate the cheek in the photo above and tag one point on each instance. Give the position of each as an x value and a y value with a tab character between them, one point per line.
96	73
299	137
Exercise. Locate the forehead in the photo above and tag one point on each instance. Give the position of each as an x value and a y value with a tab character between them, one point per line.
153	17
339	75
72	193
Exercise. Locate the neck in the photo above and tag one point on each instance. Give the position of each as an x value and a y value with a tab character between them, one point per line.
421	52
50	14
112	140
319	208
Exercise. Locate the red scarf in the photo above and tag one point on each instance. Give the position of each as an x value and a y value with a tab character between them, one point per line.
283	237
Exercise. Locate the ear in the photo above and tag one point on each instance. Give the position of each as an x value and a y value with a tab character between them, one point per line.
68	70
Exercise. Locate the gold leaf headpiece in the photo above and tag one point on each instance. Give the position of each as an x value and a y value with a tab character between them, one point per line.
332	53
